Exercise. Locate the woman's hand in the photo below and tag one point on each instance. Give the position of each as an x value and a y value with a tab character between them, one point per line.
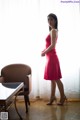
43	54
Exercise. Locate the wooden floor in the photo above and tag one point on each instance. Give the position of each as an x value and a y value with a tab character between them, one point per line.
38	110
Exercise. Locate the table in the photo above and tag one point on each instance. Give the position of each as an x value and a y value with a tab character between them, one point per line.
8	94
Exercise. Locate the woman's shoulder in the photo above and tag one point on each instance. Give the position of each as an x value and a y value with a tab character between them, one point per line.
54	30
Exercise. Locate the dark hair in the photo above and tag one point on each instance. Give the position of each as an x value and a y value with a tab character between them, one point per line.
55	18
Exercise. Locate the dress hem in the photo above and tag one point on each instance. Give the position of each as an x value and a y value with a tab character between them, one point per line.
52	79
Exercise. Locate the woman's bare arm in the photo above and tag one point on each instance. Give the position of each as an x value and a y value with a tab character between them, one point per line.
53	41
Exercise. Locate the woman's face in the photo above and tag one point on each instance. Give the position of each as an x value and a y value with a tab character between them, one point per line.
51	22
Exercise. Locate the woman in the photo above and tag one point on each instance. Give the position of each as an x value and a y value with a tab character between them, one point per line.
52	69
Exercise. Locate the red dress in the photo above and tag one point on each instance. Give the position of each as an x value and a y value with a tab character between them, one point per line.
52	67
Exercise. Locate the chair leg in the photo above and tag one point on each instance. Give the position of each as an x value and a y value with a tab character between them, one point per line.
26	97
27	102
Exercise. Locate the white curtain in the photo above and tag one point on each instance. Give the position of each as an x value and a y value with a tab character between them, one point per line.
23	28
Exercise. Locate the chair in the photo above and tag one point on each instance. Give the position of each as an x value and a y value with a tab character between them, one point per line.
18	73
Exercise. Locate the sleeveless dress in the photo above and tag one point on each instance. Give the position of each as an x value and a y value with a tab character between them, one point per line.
52	68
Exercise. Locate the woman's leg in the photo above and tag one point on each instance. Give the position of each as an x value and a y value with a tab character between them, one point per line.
61	88
53	88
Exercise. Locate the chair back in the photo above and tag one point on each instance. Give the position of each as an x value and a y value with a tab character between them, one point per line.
15	72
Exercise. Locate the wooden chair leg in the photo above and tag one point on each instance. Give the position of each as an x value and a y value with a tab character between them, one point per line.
27	102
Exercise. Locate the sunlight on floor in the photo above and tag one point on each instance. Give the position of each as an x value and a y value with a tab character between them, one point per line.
38	110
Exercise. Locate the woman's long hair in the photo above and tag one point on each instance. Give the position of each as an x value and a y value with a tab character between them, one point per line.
56	20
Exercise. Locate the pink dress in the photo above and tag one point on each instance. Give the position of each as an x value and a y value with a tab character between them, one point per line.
52	67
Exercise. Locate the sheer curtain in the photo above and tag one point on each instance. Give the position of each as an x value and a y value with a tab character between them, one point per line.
23	28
